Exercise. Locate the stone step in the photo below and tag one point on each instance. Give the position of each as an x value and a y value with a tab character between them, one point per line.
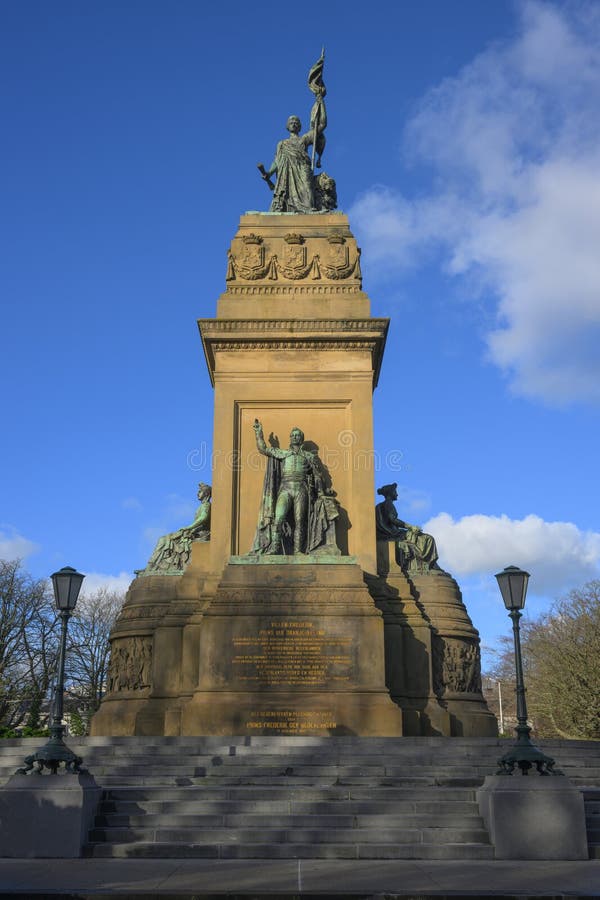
314	835
283	769
268	742
267	778
333	754
287	791
173	781
302	768
449	751
392	766
335	749
310	808
290	820
433	747
140	850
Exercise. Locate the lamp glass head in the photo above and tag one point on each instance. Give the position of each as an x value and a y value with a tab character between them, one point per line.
67	584
512	582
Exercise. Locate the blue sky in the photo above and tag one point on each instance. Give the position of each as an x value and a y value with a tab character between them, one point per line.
465	141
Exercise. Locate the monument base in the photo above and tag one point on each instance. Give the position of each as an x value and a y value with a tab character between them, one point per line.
292	648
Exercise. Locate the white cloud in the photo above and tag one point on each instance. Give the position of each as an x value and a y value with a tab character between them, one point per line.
13	545
514	143
557	554
95	580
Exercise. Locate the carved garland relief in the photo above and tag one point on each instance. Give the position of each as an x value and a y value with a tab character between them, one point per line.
294	263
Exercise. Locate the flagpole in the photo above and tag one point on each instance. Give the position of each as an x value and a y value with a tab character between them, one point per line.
317	118
314	146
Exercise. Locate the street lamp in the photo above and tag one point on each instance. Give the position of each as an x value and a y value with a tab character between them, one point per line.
67	584
512	582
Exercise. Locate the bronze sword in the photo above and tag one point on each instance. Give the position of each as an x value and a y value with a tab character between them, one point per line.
265	176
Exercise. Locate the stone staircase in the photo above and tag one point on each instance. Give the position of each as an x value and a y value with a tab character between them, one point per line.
300	797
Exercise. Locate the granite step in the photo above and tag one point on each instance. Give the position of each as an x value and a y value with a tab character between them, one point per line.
150	850
314	835
310	808
288	791
289	820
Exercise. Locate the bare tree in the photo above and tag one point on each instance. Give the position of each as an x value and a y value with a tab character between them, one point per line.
28	643
29	633
89	650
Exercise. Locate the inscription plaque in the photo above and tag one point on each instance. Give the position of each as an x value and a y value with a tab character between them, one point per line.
285	653
290	721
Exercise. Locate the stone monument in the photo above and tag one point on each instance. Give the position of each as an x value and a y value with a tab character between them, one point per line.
297	612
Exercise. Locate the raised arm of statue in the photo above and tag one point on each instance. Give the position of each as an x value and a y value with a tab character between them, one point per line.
261	445
260	438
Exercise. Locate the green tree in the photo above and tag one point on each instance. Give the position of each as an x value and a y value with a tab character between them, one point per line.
563	651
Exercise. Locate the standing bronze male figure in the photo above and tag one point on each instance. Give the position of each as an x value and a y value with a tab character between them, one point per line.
294	503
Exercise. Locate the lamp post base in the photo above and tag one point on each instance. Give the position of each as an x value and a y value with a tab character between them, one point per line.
525	755
51	755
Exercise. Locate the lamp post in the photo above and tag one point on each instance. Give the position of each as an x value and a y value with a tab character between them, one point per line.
67	584
499	683
513	587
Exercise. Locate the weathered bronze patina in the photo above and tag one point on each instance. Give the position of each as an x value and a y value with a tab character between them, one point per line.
297	514
297	189
172	551
416	551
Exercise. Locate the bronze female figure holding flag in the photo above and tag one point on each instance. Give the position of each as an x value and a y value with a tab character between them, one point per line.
297	190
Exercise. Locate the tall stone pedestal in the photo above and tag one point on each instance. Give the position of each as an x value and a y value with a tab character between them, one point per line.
291	647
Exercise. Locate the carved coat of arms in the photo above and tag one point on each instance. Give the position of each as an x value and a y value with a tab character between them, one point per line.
337	255
252	256
294	256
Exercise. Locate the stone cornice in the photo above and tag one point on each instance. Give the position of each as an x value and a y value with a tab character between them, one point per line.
289	290
216	326
265	335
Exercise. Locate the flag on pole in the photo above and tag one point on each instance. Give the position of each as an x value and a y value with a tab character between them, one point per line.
317	113
315	76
